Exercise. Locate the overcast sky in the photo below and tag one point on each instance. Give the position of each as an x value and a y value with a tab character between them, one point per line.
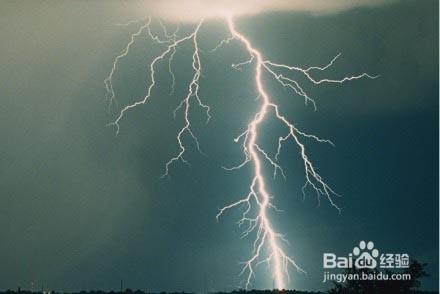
81	208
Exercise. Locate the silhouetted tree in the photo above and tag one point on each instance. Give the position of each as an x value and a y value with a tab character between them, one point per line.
385	286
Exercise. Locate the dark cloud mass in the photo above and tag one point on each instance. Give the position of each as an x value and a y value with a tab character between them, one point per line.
81	208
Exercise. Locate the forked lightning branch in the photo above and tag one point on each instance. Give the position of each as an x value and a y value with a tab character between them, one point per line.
268	245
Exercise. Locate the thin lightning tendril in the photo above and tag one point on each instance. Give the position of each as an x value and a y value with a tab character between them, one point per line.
267	245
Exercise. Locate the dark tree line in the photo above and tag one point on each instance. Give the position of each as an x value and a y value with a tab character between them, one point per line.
411	286
416	270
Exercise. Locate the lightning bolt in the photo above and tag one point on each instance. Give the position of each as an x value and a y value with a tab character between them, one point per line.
268	242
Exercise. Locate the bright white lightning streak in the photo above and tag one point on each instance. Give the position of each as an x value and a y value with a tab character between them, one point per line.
267	244
193	91
111	96
266	234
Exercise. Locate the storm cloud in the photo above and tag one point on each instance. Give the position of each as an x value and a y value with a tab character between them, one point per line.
81	208
192	10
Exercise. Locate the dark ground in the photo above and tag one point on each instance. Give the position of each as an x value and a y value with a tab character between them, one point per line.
128	291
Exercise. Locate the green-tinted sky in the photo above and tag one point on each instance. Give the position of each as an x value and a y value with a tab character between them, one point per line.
82	209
